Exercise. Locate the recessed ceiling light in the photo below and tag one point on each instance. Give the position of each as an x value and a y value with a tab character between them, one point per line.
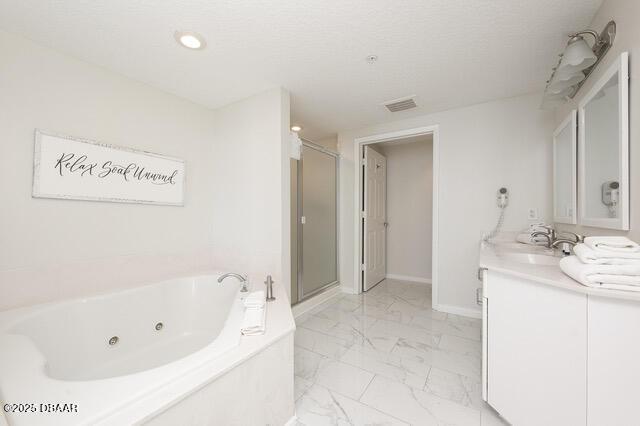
190	40
371	58
296	128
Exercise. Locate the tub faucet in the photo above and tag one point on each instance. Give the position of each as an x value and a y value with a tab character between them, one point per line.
241	278
269	283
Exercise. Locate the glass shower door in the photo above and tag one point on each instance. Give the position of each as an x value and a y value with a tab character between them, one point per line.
318	225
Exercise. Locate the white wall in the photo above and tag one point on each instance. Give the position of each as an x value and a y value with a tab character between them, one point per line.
409	208
251	195
330	143
482	147
233	215
626	13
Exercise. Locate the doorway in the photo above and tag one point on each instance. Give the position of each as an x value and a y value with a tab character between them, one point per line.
315	213
399	250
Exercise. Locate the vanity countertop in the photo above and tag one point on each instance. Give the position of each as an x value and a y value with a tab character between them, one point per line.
498	256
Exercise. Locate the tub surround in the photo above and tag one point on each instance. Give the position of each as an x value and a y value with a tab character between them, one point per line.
257	393
85	278
578	344
139	397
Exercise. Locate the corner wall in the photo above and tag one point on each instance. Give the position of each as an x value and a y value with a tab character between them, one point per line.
233	216
481	148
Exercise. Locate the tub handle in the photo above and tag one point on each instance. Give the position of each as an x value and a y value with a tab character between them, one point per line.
269	283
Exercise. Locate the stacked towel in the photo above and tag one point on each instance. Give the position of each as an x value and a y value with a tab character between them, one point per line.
255	300
605	262
587	254
255	314
526	236
612	244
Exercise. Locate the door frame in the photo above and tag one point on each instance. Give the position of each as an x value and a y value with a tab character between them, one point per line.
359	144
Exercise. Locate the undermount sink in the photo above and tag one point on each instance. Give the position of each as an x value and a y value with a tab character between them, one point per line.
519	246
531	258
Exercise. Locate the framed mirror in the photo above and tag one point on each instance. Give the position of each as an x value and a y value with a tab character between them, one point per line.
565	170
603	150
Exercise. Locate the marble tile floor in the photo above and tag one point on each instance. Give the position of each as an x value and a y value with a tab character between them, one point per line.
386	358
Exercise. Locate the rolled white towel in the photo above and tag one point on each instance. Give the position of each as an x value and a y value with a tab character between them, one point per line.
255	321
612	244
537	226
615	277
528	239
255	299
605	257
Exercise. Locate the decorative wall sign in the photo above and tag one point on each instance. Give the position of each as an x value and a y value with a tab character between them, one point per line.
79	169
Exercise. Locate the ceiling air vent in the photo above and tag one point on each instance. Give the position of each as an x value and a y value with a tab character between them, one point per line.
401	104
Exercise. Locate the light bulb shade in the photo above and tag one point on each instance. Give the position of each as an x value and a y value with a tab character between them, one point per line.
561	94
576	57
561	82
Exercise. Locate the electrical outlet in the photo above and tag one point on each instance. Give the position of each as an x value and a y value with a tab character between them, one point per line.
533	214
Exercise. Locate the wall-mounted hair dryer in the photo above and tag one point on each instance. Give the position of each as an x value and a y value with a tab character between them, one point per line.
611	196
502	197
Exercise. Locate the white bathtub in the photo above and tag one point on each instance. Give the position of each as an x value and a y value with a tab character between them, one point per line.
160	335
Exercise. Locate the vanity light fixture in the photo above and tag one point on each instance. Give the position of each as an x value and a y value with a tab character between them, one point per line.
190	40
296	128
576	64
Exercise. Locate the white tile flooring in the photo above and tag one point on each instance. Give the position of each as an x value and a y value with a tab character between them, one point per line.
386	358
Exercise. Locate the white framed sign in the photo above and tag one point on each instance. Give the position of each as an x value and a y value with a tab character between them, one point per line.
80	169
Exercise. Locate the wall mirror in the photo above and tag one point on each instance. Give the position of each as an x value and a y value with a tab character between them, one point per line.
565	161
604	150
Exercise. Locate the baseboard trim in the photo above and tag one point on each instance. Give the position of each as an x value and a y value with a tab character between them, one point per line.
307	305
348	288
457	310
408	278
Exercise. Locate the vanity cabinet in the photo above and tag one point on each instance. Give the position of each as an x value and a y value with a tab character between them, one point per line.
557	356
536	352
613	373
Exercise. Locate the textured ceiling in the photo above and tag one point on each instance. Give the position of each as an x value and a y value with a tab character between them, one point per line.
449	53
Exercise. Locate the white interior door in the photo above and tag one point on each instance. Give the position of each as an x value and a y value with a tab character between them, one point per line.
375	216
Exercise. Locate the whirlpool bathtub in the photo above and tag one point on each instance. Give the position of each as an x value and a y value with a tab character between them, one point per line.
114	359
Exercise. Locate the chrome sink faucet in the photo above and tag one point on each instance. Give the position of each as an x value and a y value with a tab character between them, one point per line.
553	241
241	278
549	234
563	243
578	238
544	234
